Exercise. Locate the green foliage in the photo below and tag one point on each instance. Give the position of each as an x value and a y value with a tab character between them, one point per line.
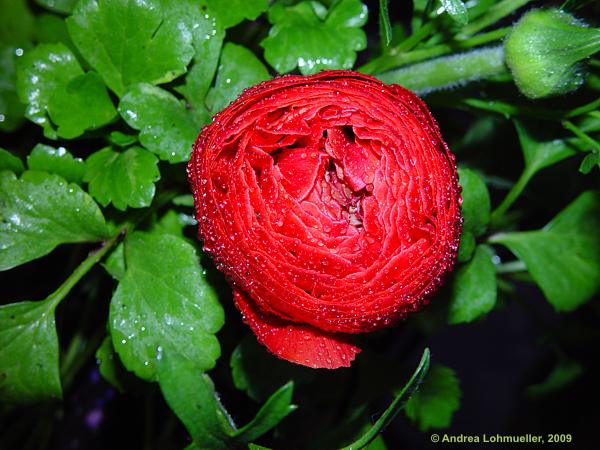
130	42
163	303
433	405
8	161
123	179
564	256
474	287
58	161
11	109
39	211
564	373
166	127
193	398
457	10
25	375
238	70
312	38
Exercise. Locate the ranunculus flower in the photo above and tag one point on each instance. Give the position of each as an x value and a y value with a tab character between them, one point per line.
331	203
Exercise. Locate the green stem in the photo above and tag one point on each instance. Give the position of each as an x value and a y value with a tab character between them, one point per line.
582	135
415	38
492	15
395	407
397	58
55	298
512	195
584	109
511	267
449	71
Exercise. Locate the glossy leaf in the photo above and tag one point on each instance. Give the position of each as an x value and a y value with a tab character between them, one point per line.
41	73
233	12
28	353
275	409
121	139
541	154
192	397
40	211
563	257
474	289
399	402
163	303
385	27
130	42
207	38
8	161
11	108
300	38
123	179
60	6
166	127
58	161
475	202
457	10
109	365
435	402
84	104
238	69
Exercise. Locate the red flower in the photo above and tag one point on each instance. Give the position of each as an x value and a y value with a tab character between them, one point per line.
331	203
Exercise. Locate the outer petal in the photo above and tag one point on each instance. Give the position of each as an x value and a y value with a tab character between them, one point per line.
300	344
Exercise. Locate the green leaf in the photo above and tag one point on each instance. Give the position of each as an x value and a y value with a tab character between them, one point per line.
163	303
8	161
173	222
466	247
121	139
590	161
184	200
40	211
207	38
28	353
385	28
275	409
457	10
474	289
540	154
563	374
16	23
115	262
192	397
130	42
398	403
238	69
233	12
60	6
563	257
166	127
111	368
300	38
11	108
58	161
258	373
123	179
84	104
41	73
436	401
475	202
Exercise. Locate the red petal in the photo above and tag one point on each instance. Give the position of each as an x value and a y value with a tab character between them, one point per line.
297	343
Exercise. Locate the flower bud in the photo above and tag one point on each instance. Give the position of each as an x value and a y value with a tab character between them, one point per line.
545	50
